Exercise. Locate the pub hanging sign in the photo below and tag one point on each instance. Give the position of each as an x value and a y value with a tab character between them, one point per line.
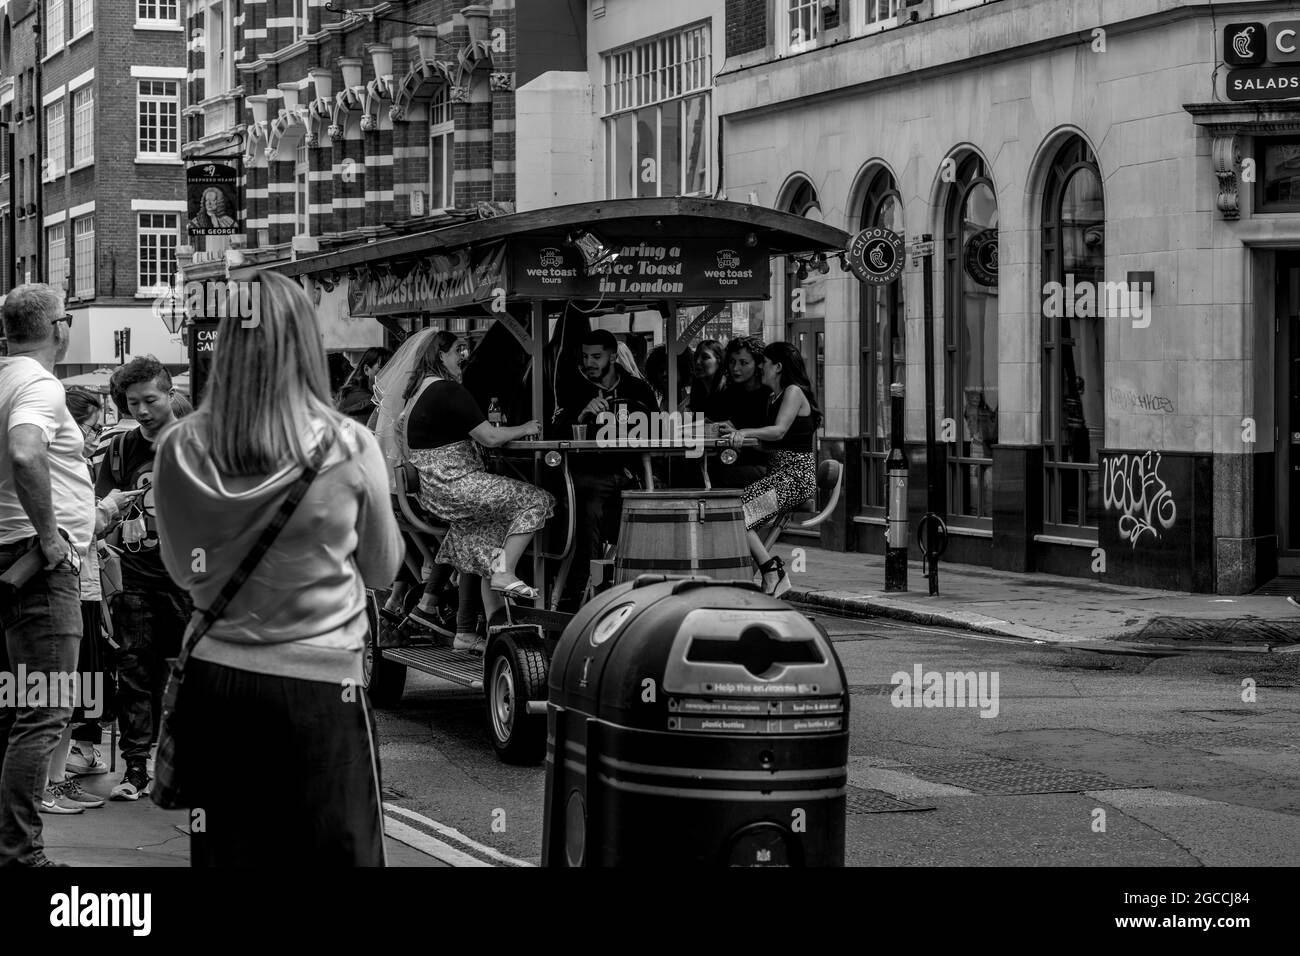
1267	58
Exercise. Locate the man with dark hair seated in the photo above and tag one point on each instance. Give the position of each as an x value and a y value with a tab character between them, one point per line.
598	478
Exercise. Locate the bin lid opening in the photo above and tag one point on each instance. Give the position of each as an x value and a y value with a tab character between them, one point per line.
758	649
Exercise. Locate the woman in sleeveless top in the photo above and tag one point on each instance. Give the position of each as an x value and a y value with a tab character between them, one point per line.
491	518
793	419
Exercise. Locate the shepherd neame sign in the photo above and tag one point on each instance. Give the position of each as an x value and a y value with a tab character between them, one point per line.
1270	55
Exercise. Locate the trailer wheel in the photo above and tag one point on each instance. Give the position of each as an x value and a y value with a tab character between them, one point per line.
513	674
384	680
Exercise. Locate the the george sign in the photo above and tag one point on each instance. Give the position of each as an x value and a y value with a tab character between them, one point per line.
438	282
1264	83
876	256
660	269
213	200
981	257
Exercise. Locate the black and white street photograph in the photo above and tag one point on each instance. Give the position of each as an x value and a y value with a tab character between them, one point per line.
662	436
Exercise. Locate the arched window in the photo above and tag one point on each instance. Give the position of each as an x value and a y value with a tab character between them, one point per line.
971	338
1074	406
806	299
880	322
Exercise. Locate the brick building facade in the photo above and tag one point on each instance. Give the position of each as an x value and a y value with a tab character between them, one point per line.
94	94
347	127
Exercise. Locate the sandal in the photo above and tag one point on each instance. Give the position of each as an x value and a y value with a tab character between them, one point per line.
782	582
516	589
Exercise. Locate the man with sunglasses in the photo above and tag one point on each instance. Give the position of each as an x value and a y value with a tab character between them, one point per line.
46	503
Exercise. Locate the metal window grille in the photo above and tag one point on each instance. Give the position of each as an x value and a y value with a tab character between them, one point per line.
158	233
83	257
159	118
83	126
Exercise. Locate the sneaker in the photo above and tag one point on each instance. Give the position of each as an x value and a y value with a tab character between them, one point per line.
430	621
134	783
1292	600
85	765
70	789
40	859
52	802
469	642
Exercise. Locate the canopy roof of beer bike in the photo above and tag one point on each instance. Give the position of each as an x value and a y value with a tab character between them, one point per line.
677	249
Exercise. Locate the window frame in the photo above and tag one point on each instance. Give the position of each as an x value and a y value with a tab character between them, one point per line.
1072	157
219	72
148	22
859	23
875	448
668	71
54	40
82	262
971	174
89	8
56	149
301	23
302	190
88	91
1261	142
141	156
786	45
57	281
442	125
160	233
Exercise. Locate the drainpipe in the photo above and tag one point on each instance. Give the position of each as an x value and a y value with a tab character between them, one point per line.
39	119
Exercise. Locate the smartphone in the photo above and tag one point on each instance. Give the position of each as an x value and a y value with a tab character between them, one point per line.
133	495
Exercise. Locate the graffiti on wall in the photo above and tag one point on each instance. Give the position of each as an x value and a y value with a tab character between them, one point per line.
1132	486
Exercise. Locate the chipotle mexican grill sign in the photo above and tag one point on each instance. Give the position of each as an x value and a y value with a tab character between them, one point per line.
662	269
437	282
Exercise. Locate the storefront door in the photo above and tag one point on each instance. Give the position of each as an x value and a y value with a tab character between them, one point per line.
1288	412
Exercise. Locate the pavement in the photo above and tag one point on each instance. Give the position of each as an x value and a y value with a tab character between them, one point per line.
1082	613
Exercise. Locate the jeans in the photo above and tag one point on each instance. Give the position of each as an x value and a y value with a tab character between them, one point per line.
41	627
150	628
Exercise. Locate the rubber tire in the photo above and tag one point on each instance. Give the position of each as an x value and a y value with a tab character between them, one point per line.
385	680
524	654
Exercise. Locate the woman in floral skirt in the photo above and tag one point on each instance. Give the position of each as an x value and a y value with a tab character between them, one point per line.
492	518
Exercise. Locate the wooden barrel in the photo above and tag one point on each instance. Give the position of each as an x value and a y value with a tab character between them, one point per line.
683	532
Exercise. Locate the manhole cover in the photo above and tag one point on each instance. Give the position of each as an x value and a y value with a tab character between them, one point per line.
859	800
1011	777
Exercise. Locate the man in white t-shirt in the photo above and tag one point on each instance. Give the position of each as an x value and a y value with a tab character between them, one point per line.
46	504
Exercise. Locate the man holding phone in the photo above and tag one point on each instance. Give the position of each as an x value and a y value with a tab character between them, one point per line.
46	505
151	612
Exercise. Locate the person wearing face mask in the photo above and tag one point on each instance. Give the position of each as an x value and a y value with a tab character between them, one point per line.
741	402
151	612
47	507
491	518
357	397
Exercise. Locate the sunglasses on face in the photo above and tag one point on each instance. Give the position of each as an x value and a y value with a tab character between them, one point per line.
66	317
92	431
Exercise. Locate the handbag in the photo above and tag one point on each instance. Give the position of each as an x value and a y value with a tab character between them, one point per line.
168	790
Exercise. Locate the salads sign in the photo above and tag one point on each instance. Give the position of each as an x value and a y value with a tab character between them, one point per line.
1269	57
662	269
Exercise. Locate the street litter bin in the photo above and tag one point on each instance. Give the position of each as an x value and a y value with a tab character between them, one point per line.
695	722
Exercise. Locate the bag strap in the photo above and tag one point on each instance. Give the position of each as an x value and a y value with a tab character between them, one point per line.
272	531
403	418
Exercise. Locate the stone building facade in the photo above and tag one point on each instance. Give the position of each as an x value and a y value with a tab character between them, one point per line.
1116	278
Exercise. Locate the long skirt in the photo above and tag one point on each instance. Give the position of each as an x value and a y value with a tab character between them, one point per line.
310	744
481	509
791	480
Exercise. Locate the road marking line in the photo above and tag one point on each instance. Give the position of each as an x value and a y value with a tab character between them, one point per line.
454	834
427	844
